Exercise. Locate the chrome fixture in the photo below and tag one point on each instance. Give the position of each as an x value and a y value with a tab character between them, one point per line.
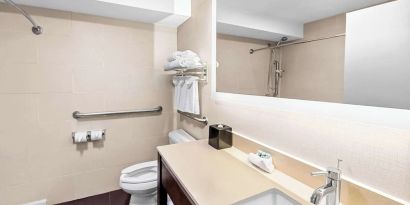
200	71
89	137
251	51
79	115
36	29
331	190
202	119
275	71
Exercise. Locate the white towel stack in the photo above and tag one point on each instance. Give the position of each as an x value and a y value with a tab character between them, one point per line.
186	94
183	59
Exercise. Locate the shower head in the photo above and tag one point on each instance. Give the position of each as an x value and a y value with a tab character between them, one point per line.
36	29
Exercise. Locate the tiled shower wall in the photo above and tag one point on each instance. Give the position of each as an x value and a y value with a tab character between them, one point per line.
83	63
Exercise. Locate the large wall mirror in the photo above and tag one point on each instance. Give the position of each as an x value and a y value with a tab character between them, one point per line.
353	52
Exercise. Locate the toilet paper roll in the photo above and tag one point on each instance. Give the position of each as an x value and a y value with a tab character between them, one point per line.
80	137
96	135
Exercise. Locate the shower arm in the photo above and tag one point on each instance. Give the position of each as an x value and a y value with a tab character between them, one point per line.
36	28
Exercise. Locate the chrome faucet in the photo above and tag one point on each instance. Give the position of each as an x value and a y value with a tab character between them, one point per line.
331	190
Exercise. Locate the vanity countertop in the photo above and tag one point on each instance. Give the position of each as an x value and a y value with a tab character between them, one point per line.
222	177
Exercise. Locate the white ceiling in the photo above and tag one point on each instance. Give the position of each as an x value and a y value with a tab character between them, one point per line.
300	11
164	12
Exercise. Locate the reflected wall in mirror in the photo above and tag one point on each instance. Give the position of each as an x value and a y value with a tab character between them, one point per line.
353	52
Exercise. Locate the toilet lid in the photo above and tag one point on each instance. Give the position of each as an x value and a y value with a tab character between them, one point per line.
143	174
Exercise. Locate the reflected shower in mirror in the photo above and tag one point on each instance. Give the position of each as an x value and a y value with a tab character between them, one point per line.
352	52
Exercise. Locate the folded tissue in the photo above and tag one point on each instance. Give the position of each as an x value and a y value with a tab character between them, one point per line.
262	160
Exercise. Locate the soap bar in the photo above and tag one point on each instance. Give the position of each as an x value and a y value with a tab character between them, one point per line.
220	136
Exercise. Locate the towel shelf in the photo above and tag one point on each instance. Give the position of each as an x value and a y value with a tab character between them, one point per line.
202	120
79	115
200	71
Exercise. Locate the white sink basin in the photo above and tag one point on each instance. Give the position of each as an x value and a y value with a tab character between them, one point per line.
270	197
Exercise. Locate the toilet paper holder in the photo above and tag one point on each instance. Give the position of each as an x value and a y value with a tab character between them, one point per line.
89	136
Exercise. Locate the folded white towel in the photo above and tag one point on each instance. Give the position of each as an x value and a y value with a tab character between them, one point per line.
183	59
182	54
264	163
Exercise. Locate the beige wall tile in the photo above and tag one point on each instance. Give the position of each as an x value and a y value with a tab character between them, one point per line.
19	47
19	78
84	63
12	21
238	71
23	193
315	71
17	110
52	107
34	78
89	79
56	49
99	181
61	189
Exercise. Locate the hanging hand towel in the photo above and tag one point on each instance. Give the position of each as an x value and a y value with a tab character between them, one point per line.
186	94
190	96
178	82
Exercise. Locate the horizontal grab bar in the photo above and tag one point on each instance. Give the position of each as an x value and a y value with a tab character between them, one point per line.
202	120
79	115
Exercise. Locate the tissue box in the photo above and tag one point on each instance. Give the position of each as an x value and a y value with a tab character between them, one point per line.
220	136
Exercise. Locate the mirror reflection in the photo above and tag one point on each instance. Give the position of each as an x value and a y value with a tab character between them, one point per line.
353	52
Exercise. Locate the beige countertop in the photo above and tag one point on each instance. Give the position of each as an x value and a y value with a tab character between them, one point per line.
223	177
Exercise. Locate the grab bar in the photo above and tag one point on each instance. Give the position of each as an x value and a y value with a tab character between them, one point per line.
202	120
79	115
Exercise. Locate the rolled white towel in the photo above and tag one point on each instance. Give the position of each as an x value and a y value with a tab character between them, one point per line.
182	54
173	65
183	63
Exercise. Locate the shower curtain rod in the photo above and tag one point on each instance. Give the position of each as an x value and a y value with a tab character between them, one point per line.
36	29
251	51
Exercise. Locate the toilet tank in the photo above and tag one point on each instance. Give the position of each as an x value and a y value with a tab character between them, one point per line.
179	136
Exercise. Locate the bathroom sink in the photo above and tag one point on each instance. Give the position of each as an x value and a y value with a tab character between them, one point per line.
270	197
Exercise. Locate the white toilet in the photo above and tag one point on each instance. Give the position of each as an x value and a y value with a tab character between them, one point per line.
140	180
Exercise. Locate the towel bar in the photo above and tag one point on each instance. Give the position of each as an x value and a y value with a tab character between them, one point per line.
79	115
202	120
200	71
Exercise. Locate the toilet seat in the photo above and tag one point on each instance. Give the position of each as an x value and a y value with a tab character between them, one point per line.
140	177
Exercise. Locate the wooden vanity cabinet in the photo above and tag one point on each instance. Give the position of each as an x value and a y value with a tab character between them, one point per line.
168	184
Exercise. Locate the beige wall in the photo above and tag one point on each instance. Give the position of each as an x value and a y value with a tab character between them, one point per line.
84	63
315	70
376	155
238	71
